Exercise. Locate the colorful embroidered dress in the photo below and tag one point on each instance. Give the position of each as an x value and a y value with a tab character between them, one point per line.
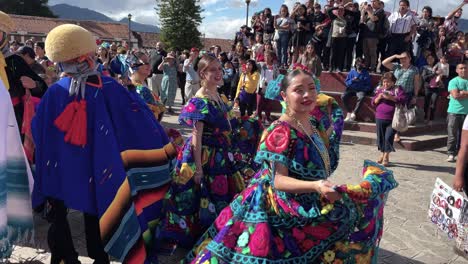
119	174
191	207
265	225
153	101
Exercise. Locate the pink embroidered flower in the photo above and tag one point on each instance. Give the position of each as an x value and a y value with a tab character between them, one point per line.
237	228
190	108
260	240
279	244
298	234
278	139
223	218
219	185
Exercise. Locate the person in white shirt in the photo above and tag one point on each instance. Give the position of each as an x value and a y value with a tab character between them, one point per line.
403	25
192	83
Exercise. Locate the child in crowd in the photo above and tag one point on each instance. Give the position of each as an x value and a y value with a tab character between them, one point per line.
442	69
228	76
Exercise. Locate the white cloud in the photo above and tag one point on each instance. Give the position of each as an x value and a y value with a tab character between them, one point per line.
207	14
222	27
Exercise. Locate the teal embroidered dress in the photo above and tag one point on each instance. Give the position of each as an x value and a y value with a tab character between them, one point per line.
265	225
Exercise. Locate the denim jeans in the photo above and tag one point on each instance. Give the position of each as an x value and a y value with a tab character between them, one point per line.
454	130
282	47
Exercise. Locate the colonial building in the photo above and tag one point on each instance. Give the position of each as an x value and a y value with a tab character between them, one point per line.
37	28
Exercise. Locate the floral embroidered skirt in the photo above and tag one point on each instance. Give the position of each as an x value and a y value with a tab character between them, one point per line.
263	225
191	208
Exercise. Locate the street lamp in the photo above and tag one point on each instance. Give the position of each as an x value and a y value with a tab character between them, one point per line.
247	16
129	30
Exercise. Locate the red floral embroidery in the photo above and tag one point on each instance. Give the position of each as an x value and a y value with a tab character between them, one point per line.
223	218
298	234
307	244
319	232
279	244
219	185
260	240
278	139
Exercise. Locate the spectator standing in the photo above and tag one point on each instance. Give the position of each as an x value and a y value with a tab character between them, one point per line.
192	80
311	60
402	29
425	32
432	89
385	100
228	76
352	16
259	24
269	27
451	20
407	76
283	27
358	83
338	36
302	29
29	56
372	24
457	110
156	57
247	87
269	72
319	25
243	36
181	75
257	49
169	81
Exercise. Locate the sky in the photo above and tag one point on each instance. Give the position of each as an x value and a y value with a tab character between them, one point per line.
222	18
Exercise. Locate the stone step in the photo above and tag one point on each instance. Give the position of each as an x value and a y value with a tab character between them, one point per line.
431	140
417	129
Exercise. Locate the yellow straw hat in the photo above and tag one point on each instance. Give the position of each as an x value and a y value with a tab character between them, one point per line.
6	23
67	42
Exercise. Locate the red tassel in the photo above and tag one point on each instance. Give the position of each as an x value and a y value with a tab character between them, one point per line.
64	121
77	133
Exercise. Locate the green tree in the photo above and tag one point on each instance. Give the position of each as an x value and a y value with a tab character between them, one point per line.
179	23
26	7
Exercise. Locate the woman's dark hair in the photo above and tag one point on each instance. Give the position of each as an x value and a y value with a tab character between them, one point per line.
287	10
388	76
404	1
305	9
288	78
254	65
267	9
224	57
429	10
40	44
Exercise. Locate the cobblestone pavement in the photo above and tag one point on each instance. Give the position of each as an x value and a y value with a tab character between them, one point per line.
409	237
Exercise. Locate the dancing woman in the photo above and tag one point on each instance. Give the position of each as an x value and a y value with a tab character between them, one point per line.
291	212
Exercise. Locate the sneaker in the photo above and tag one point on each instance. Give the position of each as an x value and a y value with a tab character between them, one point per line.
451	158
353	117
348	117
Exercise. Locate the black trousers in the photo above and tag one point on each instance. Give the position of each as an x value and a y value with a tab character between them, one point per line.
338	48
60	239
350	42
347	95
247	103
430	102
385	135
397	45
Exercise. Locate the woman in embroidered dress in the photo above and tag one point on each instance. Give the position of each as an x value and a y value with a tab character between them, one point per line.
290	212
133	70
205	179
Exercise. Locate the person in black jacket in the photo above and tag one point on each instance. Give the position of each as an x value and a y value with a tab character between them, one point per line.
156	57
